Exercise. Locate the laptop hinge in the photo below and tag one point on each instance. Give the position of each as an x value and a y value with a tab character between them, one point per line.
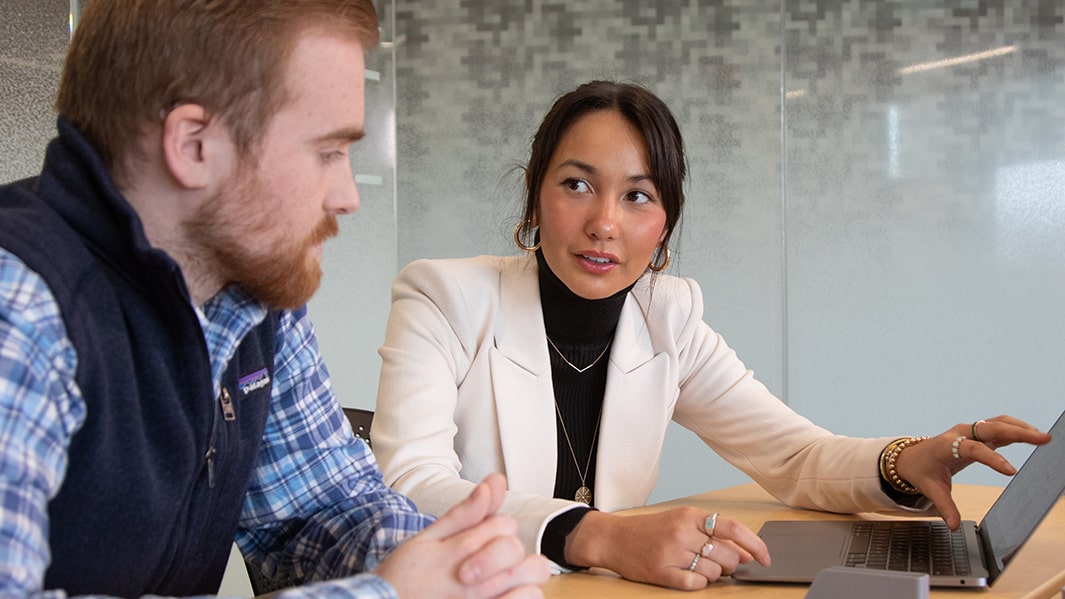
990	559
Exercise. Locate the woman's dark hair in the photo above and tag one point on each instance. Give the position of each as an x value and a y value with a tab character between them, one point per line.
647	113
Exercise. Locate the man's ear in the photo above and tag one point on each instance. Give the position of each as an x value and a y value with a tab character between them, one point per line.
193	145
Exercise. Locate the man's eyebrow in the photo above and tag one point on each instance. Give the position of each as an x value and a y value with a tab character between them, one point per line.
350	136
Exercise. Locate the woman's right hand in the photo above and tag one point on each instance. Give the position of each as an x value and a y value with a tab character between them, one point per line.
660	548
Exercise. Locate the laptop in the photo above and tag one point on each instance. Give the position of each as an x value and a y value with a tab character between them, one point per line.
978	553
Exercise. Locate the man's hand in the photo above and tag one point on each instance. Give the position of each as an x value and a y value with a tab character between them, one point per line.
470	552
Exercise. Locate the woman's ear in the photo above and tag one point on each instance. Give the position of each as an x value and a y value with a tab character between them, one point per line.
193	145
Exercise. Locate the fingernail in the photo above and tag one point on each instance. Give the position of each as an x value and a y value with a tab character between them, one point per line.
470	575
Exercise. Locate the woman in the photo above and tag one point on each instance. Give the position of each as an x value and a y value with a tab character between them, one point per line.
563	367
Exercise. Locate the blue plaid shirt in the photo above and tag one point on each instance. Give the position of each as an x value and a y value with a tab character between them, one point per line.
316	503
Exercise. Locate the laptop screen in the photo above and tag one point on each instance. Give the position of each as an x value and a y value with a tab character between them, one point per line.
1026	500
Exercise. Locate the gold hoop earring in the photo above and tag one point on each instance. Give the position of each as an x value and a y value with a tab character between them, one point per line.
522	226
665	263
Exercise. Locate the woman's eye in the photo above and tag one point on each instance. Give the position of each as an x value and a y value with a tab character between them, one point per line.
576	185
639	197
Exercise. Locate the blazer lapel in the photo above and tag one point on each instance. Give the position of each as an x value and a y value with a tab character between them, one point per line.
637	408
521	381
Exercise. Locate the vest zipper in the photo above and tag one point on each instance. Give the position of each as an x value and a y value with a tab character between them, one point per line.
225	400
227	405
210	465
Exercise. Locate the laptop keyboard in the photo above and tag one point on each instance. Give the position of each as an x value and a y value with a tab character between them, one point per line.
924	547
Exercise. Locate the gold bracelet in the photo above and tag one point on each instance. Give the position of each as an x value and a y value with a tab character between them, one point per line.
889	457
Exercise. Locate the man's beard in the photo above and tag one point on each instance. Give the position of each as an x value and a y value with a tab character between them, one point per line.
237	220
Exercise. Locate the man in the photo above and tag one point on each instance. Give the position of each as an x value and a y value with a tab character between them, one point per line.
161	391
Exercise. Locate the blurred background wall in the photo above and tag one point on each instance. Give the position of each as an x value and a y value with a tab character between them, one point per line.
875	212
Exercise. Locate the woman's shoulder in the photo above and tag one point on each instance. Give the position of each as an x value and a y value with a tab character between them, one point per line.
671	307
661	291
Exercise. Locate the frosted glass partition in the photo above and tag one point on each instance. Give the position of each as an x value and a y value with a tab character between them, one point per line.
925	216
476	78
875	211
33	37
352	304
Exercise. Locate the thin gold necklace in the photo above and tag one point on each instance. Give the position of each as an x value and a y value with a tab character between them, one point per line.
584	494
571	365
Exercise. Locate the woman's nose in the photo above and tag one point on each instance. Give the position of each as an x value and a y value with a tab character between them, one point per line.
603	220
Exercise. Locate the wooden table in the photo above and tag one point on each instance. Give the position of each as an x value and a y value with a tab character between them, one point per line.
1037	572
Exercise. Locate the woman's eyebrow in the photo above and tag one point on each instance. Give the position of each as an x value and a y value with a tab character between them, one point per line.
584	166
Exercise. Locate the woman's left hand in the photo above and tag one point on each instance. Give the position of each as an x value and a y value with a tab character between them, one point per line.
682	548
931	464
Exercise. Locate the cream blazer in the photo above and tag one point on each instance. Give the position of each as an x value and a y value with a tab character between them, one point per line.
466	390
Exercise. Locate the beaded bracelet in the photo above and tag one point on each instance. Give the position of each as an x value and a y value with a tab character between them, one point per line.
889	456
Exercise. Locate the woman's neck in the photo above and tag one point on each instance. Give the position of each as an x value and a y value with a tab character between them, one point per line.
571	318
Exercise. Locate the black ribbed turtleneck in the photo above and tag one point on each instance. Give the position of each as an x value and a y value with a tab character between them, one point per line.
581	329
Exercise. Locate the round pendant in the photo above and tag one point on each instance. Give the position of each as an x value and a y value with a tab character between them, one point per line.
584	495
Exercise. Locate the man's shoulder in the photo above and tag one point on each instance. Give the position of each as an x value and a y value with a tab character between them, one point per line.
37	242
21	187
21	206
21	288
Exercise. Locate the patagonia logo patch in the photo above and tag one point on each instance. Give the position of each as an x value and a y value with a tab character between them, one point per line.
254	381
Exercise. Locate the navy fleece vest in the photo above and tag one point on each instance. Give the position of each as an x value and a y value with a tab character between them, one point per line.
158	474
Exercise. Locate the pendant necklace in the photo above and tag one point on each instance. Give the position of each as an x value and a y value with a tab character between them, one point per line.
584	494
570	364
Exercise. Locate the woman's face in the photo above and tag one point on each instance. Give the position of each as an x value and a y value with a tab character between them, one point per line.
600	216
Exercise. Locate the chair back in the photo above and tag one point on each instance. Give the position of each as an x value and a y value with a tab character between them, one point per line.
261	584
360	423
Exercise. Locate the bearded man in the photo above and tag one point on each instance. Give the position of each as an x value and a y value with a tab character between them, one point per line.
161	390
